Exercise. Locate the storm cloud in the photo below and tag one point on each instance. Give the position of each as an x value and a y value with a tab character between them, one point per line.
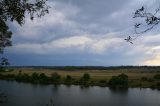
85	32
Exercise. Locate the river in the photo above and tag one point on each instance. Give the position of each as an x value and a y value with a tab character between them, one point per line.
22	94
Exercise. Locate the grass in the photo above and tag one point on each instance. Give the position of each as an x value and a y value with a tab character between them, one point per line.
134	75
95	74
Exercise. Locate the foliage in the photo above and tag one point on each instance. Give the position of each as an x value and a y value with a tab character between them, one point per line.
43	78
23	77
4	62
144	78
157	76
35	76
55	77
15	10
68	78
86	76
148	21
121	80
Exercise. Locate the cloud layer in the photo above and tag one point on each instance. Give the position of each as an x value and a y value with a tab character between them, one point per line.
85	32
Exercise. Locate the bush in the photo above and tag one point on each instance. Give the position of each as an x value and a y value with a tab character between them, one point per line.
10	70
25	77
121	80
157	76
55	77
35	76
43	78
86	76
144	78
68	78
158	84
103	81
2	69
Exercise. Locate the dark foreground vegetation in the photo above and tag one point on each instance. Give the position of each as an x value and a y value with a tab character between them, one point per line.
124	78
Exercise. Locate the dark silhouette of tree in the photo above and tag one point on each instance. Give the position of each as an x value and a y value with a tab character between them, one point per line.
15	10
86	76
55	77
120	80
149	21
4	62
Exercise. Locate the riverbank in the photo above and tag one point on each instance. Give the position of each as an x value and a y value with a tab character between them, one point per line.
140	78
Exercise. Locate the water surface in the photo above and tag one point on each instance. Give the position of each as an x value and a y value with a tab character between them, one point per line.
22	94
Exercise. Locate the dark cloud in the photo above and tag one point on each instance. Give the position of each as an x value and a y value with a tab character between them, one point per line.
83	32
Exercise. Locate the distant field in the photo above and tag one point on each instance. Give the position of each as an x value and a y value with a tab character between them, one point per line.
133	74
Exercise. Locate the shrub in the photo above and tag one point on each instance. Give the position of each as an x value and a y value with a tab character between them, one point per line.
144	78
158	84
43	76
157	76
103	81
55	76
121	80
86	76
10	70
25	77
2	69
35	77
20	72
68	78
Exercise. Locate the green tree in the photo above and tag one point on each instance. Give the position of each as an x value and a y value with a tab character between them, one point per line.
15	10
43	78
86	76
55	77
35	76
120	80
157	77
68	78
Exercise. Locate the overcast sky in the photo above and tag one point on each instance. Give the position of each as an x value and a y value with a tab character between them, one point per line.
85	32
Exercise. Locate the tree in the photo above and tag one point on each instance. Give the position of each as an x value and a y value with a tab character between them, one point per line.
35	76
4	62
149	21
15	10
68	78
120	80
157	76
55	77
86	76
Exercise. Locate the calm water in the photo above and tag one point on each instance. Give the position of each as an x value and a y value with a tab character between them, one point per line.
21	94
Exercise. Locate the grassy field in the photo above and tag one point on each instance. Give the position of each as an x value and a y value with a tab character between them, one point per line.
134	75
95	74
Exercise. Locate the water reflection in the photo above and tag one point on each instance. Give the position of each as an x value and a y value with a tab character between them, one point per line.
21	94
117	90
55	87
3	98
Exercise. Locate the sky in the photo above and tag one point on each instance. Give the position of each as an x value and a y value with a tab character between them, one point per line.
85	33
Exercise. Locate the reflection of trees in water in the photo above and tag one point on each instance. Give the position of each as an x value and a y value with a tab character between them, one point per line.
82	87
50	102
153	88
3	98
119	90
55	87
